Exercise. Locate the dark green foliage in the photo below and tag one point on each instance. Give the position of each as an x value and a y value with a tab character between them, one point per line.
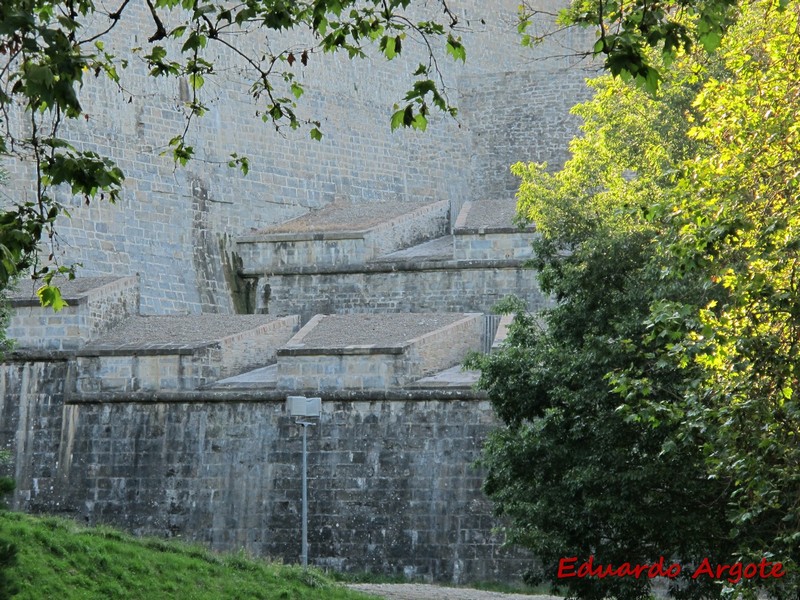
632	33
653	411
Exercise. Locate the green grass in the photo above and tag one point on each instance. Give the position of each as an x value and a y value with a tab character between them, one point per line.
59	559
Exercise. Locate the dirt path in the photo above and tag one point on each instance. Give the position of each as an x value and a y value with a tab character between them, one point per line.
416	591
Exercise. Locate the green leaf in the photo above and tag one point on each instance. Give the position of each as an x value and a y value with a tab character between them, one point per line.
387	46
196	81
316	134
50	295
455	48
711	41
397	118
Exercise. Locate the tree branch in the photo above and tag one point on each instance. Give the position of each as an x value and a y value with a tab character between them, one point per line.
161	32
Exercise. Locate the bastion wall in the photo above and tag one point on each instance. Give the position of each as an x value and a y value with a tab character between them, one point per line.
139	437
392	484
174	226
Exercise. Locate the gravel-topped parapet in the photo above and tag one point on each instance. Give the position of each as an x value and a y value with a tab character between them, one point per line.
346	216
166	331
333	331
70	290
488	214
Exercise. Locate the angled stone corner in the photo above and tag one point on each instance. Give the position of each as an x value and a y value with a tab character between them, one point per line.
375	351
152	353
94	306
342	234
485	230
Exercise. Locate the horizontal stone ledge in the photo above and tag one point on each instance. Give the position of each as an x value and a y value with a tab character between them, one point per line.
303	236
37	355
485	230
185	350
393	267
272	395
342	350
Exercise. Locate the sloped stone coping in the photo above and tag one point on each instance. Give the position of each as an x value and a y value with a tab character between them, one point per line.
486	236
342	215
314	358
270	251
95	305
179	352
76	291
488	216
324	333
181	334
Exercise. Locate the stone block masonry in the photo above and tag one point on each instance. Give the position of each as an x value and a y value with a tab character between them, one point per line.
137	437
171	225
179	353
95	305
344	235
392	485
463	286
485	230
375	352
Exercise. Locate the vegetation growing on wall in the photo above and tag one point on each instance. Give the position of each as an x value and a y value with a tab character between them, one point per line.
653	412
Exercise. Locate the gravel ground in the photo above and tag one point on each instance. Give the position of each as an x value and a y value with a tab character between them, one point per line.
179	329
335	331
69	289
417	591
346	216
492	213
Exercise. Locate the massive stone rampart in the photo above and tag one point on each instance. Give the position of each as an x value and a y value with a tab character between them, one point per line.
172	225
144	435
393	488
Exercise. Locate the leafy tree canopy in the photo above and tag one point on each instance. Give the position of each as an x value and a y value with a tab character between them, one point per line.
628	31
652	412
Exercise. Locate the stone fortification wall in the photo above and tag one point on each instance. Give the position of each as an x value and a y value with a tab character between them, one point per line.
452	286
178	353
94	306
172	225
327	240
392	486
519	115
388	351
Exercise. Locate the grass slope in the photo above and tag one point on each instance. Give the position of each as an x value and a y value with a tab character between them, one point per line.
62	560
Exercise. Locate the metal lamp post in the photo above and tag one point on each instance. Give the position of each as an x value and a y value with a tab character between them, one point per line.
300	406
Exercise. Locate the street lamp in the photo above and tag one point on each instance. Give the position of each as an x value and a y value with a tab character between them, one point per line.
300	407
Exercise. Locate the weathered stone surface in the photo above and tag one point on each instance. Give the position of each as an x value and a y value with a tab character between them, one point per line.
451	286
336	235
186	353
392	488
174	226
95	305
376	352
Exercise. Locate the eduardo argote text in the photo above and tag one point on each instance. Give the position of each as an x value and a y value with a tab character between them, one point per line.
568	567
